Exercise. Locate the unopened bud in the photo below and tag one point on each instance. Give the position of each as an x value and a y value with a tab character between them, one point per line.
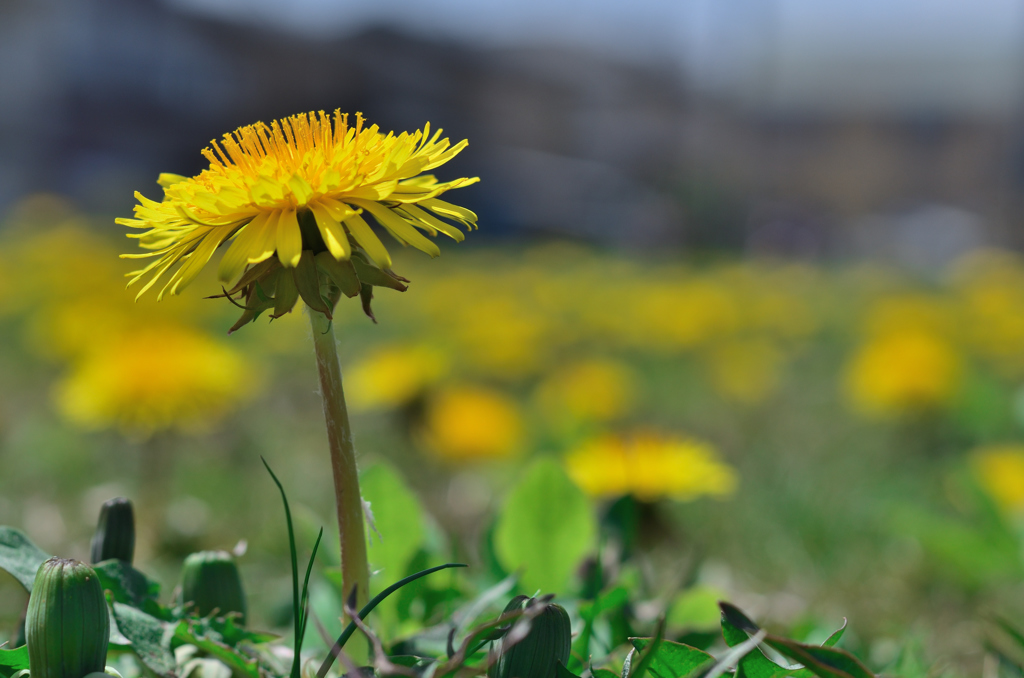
115	533
66	627
539	653
210	581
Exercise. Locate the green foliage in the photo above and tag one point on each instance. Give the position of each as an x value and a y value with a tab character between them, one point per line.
130	586
149	636
12	661
398	520
19	556
545	528
668	659
824	661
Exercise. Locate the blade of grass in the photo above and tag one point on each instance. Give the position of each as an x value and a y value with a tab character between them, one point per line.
305	594
368	608
296	602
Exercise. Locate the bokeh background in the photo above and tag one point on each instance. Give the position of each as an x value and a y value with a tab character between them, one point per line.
766	251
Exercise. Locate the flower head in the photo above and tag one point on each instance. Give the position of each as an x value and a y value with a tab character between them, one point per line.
196	381
469	423
903	371
291	200
650	466
1000	471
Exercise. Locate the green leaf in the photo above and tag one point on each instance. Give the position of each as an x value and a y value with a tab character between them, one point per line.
129	586
19	556
187	631
836	635
753	664
604	673
399	520
12	661
150	637
562	672
368	608
696	609
545	528
826	662
673	660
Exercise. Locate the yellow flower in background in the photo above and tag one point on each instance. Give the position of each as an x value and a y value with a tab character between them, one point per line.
393	375
650	467
467	423
129	366
1000	471
745	370
590	390
903	370
990	285
682	314
155	378
912	312
302	183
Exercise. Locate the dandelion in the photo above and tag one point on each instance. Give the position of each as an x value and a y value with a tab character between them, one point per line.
745	370
467	423
195	382
283	194
590	390
902	371
291	201
392	376
650	467
1000	471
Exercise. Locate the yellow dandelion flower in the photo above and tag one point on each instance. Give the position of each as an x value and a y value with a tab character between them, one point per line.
590	390
465	423
1000	471
393	375
650	467
302	184
195	381
903	370
745	370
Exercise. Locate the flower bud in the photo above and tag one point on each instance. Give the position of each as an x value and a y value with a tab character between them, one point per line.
115	533
66	627
210	581
538	654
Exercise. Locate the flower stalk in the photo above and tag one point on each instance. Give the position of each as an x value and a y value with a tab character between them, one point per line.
355	570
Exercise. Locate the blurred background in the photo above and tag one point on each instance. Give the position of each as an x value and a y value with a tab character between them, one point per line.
776	239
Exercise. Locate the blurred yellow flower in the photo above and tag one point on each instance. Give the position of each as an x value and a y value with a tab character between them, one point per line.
991	286
301	183
155	378
745	370
589	390
673	315
466	423
903	370
1000	471
650	467
391	376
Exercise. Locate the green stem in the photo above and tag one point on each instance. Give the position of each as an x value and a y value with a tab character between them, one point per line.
355	570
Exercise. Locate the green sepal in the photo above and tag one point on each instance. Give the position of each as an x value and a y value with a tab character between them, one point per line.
256	272
342	273
307	279
371	275
366	296
287	294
